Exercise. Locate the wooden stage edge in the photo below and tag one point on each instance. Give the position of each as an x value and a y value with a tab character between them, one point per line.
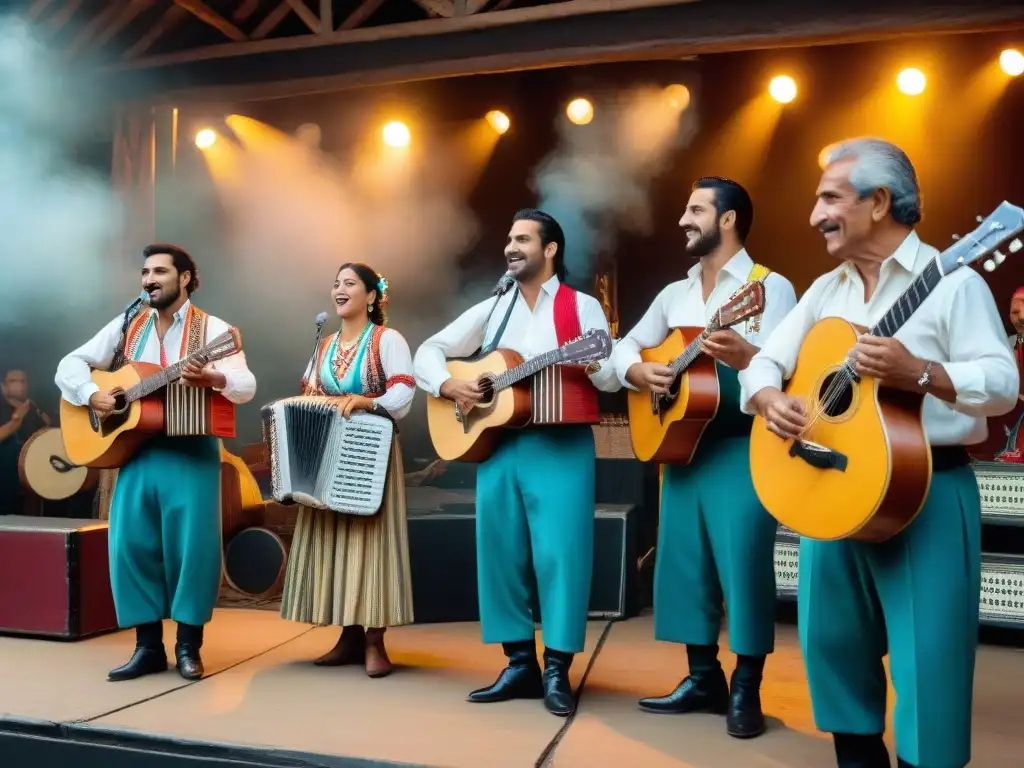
264	704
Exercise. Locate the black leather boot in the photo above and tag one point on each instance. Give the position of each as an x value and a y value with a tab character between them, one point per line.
149	657
856	750
745	720
558	698
186	651
703	690
519	680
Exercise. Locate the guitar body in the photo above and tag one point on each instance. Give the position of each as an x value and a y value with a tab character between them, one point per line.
44	468
121	432
887	472
475	437
667	429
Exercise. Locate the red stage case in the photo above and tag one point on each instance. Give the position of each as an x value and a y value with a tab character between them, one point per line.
54	577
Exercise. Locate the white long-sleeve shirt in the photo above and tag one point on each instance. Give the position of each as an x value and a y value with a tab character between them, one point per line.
682	304
957	326
530	333
74	377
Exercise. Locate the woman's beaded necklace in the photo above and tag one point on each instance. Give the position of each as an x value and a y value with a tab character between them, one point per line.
347	352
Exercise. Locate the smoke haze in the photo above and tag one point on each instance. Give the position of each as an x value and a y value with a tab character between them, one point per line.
597	180
60	221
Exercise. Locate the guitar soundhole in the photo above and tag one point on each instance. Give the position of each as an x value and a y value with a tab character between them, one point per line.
487	388
120	403
835	396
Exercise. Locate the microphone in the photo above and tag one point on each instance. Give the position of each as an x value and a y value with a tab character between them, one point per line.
142	299
320	320
503	286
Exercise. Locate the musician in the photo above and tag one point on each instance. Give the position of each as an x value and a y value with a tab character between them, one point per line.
165	521
346	570
916	595
1017	321
715	539
20	418
535	494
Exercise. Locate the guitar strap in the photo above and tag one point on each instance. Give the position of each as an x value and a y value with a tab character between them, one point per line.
758	273
488	348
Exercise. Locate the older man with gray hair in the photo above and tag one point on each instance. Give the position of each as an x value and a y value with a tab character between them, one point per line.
916	595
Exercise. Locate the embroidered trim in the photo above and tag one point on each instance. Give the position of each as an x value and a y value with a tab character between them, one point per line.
401	378
372	377
192	338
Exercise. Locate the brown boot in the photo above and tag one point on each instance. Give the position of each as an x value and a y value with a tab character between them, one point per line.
348	650
377	662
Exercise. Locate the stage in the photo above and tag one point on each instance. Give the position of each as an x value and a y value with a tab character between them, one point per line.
262	703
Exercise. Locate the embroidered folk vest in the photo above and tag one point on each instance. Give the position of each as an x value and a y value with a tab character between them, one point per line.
564	394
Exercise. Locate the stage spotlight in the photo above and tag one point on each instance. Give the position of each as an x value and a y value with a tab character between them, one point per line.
678	96
911	81
206	138
782	89
580	111
1011	61
499	120
396	134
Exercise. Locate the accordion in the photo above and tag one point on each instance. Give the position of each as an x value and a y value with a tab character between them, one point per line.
323	460
197	411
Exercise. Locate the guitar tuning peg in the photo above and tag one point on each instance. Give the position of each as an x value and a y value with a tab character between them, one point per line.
956	237
989	265
979	219
1000	257
1014	246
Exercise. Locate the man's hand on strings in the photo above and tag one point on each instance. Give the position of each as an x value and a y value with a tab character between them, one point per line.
783	415
887	360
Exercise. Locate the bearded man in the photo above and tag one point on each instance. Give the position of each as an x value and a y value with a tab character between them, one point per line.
165	519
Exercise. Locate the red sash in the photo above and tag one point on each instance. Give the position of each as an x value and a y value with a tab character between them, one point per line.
564	394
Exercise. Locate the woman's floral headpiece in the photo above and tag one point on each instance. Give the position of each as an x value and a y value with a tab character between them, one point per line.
382	290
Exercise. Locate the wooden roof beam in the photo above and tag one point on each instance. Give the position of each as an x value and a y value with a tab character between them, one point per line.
171	18
90	29
307	16
326	17
271	21
365	10
245	10
443	8
208	16
126	15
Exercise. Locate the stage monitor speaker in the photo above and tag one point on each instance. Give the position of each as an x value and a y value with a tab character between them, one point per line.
54	577
442	548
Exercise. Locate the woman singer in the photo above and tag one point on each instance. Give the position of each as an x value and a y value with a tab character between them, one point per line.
346	570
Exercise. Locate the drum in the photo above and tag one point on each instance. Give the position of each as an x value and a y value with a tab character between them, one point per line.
254	563
45	469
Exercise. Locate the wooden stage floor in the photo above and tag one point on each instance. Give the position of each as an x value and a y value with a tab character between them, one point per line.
261	691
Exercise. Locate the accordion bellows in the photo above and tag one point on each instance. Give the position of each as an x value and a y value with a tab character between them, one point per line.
323	460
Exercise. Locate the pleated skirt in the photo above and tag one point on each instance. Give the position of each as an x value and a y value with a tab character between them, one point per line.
348	570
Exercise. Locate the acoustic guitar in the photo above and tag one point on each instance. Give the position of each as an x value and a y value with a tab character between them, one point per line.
46	470
106	442
504	379
666	428
862	468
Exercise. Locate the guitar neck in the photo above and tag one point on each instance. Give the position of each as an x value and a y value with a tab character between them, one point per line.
219	348
693	350
527	369
908	303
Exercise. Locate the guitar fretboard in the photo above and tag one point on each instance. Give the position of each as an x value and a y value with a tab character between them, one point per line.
530	367
693	350
908	303
219	348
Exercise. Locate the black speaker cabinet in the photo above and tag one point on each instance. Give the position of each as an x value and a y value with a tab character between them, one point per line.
442	550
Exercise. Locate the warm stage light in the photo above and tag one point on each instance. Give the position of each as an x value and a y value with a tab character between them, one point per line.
1011	61
396	134
580	111
205	138
911	81
678	96
782	89
499	120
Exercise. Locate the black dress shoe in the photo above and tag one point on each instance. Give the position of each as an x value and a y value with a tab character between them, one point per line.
699	692
145	661
744	720
190	665
558	698
519	680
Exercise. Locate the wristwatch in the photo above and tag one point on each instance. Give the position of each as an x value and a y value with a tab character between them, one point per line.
593	368
926	377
